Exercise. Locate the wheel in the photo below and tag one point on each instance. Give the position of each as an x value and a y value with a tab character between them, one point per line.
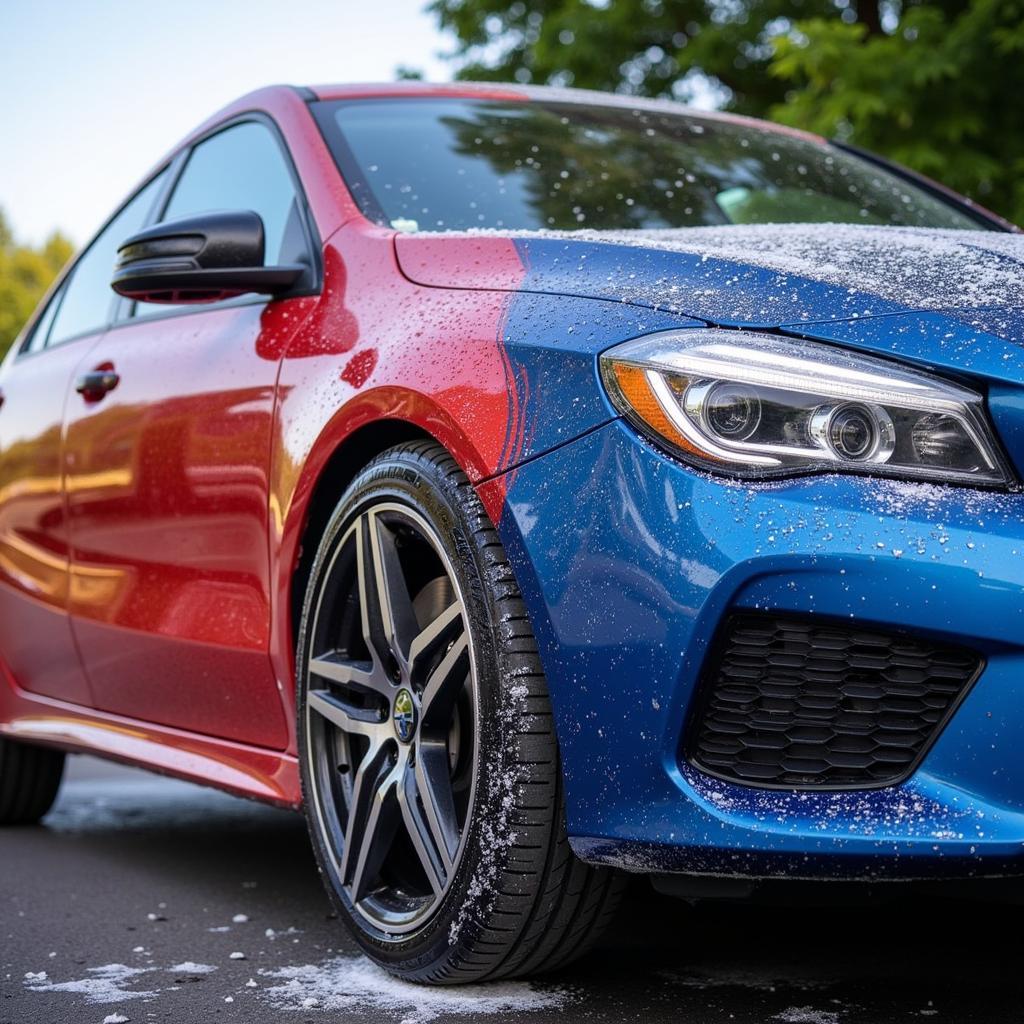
430	770
29	780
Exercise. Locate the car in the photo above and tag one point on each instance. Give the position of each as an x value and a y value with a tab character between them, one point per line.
539	488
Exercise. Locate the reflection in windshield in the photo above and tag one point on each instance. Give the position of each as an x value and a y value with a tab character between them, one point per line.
450	164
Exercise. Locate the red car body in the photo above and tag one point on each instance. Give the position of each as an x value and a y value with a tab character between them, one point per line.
223	456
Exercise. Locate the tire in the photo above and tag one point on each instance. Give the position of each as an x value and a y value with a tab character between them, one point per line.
29	780
437	887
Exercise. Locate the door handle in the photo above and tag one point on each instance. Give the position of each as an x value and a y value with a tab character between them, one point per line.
98	383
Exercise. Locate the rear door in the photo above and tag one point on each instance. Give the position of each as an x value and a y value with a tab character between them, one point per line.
168	487
36	384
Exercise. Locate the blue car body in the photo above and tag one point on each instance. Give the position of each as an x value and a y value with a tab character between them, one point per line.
630	560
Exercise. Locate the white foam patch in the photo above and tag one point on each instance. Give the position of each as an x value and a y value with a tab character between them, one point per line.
190	968
355	983
111	983
807	1015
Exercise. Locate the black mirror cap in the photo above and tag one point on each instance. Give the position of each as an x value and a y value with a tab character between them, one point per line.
205	258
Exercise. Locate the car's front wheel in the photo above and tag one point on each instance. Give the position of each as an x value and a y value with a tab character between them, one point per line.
428	755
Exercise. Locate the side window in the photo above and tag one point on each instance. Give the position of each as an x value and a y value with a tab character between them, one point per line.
88	298
241	168
41	331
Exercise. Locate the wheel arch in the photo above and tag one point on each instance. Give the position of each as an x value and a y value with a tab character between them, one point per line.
315	462
356	432
349	456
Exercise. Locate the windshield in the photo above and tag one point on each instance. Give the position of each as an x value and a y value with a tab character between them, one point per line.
441	164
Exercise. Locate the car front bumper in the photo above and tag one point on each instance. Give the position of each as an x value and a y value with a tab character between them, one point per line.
629	560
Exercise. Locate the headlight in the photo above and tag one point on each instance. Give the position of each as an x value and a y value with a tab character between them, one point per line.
759	405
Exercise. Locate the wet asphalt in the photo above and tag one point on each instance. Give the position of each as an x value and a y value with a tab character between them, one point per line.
130	898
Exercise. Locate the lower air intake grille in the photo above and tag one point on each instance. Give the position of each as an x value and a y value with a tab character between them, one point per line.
795	704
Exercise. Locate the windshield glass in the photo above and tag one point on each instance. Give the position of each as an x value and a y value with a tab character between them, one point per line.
440	164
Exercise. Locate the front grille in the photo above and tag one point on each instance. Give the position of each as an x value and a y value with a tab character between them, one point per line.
796	704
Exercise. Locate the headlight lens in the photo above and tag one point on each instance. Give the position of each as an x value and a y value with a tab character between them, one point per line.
759	405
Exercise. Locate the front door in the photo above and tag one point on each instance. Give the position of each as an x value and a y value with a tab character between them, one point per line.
37	384
168	487
35	636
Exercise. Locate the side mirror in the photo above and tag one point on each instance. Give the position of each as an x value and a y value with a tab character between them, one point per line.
205	258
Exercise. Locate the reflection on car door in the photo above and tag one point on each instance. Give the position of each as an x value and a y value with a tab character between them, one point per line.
37	383
168	489
35	636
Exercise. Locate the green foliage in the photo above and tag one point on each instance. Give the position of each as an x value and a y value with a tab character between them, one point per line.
938	94
932	84
25	274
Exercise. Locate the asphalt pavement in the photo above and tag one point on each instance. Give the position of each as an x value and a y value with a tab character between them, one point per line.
145	899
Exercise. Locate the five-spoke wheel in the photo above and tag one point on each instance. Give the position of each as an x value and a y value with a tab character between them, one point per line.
427	749
391	709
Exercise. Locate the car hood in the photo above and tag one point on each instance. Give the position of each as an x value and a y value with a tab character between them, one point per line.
766	276
951	302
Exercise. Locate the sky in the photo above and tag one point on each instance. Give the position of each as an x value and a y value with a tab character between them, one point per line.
96	91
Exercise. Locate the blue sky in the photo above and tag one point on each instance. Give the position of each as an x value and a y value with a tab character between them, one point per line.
95	92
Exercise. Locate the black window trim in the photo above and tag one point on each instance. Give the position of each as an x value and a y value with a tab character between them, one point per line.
116	317
348	166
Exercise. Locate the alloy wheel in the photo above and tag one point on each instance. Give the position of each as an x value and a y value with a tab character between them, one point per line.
391	716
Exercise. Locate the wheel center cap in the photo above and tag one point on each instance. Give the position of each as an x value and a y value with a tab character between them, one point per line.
404	715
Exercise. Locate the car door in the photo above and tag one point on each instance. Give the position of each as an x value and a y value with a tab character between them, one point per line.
167	484
36	384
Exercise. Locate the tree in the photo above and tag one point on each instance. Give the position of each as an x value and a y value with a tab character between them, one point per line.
930	83
25	274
